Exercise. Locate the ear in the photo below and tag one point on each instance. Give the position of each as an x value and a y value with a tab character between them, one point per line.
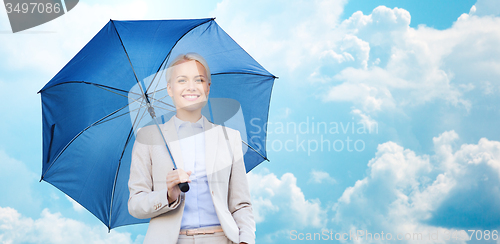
208	89
169	89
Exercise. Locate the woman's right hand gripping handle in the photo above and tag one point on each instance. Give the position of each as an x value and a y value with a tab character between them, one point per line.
174	178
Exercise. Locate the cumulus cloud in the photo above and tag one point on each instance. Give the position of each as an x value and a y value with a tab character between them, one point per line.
76	206
281	198
370	124
319	177
454	189
17	181
284	36
46	48
54	228
485	7
409	66
375	61
406	66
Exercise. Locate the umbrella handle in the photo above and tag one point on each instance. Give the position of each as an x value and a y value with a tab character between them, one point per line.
184	186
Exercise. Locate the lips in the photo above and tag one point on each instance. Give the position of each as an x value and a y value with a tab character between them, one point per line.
190	97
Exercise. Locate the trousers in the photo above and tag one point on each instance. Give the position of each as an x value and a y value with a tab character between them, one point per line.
217	237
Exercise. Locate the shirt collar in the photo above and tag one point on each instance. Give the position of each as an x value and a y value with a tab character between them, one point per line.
179	122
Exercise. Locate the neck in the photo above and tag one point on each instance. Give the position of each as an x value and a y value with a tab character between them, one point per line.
191	116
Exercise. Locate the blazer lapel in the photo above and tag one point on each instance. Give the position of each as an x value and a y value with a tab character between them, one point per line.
173	143
211	142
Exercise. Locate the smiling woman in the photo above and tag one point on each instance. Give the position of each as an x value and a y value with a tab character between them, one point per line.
188	84
217	208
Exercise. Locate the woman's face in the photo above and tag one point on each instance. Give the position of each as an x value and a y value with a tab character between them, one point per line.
188	86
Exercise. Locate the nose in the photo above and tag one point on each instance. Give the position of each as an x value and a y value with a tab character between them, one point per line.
191	85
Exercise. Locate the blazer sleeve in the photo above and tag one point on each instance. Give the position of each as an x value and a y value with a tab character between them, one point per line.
143	202
239	194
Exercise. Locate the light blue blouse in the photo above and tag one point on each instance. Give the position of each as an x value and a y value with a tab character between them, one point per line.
199	210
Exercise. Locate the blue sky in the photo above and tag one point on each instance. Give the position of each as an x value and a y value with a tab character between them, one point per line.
426	74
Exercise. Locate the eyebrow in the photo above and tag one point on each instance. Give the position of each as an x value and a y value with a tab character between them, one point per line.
195	76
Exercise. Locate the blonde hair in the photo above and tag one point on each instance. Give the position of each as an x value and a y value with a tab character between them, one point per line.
188	57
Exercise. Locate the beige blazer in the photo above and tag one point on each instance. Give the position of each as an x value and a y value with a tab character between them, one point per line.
226	179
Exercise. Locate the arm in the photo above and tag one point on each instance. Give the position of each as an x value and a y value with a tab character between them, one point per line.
143	202
239	194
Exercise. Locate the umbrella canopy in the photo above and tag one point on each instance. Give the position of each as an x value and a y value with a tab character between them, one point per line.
92	108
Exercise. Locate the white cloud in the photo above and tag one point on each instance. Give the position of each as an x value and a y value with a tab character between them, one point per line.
54	228
376	61
76	206
454	189
17	181
282	114
48	47
282	35
370	125
281	198
485	7
319	177
409	66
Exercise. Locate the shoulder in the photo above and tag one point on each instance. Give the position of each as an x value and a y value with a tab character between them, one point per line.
148	135
230	131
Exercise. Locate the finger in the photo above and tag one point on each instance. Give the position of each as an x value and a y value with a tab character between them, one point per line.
181	174
185	180
171	174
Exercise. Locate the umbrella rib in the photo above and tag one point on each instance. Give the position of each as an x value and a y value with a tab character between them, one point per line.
133	100
118	116
255	151
81	132
154	77
116	177
247	73
160	101
110	91
130	62
154	94
162	89
157	84
119	165
141	106
175	44
88	83
244	73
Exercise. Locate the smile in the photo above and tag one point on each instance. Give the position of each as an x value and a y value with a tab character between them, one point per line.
191	97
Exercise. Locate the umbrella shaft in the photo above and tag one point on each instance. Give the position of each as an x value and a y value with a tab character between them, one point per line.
151	111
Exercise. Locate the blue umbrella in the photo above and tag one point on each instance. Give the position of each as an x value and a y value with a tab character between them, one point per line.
93	107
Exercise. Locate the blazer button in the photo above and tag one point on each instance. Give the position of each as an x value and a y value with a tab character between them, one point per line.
212	193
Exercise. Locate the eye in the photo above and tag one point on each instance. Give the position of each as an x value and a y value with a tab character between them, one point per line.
181	80
199	80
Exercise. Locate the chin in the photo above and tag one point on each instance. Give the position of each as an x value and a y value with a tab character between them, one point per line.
194	107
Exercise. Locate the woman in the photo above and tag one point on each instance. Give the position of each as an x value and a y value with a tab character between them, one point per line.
217	208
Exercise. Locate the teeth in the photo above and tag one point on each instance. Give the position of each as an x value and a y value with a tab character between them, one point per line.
190	96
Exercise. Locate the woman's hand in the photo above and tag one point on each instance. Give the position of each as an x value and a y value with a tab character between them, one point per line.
174	178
